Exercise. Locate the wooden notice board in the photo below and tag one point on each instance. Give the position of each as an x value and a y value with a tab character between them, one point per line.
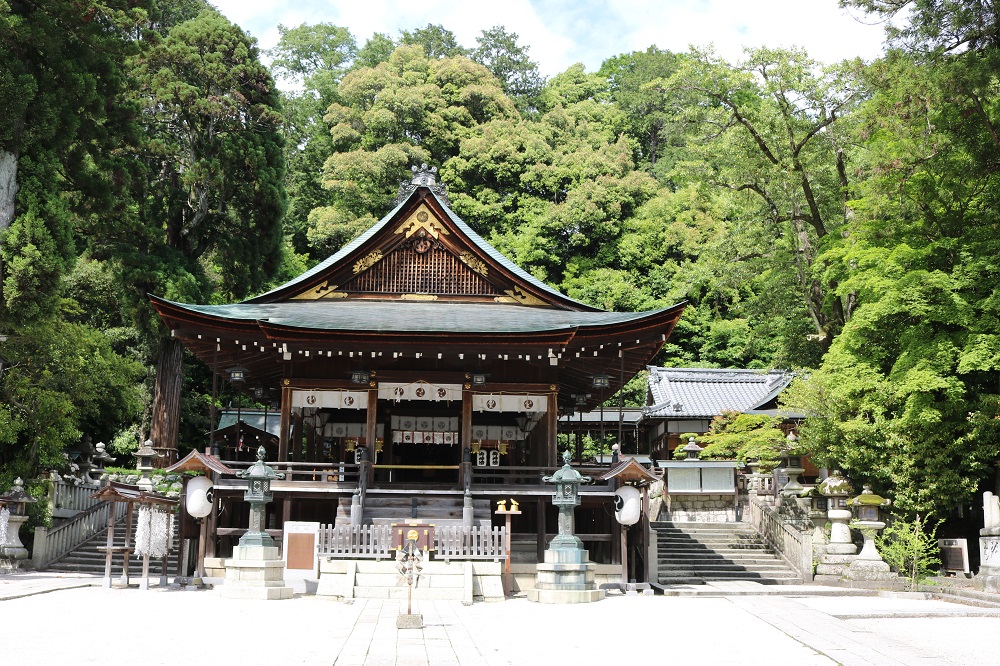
299	550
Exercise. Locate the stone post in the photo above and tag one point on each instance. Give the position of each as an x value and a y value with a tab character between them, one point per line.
989	544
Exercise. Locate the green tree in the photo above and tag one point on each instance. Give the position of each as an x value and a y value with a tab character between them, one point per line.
407	110
60	124
499	51
649	118
746	438
436	40
57	381
209	197
772	127
910	547
315	57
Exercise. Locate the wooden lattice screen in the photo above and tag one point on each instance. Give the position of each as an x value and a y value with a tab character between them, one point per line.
407	271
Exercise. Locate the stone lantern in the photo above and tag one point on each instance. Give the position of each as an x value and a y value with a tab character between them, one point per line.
258	495
792	466
835	491
13	514
691	450
868	519
256	571
567	574
144	463
567	481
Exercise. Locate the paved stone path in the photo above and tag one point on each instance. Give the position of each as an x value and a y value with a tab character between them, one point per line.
69	624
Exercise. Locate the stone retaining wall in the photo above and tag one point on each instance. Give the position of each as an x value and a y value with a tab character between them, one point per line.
701	509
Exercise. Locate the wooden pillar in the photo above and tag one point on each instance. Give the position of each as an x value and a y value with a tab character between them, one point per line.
295	443
465	440
128	538
109	553
286	509
552	430
212	522
644	522
540	522
371	431
286	422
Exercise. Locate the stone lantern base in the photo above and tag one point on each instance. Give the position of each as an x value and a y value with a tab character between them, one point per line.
14	550
565	577
255	572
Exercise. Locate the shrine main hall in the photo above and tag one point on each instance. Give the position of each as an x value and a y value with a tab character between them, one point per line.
418	367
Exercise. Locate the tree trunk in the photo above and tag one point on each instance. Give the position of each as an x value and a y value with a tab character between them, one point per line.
167	400
8	194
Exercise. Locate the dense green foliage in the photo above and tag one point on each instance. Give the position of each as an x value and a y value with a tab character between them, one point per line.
838	218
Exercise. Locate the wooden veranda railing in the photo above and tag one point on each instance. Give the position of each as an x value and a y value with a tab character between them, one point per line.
346	473
53	543
530	476
451	542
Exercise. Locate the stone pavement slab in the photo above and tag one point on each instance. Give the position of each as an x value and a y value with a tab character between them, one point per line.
310	630
26	583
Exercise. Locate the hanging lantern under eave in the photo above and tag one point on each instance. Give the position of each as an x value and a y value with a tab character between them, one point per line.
198	497
628	505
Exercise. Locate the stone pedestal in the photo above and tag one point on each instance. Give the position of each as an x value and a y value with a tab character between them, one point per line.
831	568
868	565
989	559
840	533
255	572
565	577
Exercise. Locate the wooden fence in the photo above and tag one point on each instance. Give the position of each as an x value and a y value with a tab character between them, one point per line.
341	473
356	541
451	542
469	543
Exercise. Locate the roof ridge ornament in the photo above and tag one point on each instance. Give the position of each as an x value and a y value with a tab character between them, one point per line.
423	176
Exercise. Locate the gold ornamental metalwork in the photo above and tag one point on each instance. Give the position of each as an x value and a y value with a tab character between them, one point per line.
367	262
474	262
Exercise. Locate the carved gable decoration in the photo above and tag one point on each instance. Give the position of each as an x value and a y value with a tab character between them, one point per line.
417	257
421	265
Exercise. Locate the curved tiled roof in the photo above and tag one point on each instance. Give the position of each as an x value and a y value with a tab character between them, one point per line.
414	316
707	392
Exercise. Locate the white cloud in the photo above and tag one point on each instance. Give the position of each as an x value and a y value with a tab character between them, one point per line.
562	32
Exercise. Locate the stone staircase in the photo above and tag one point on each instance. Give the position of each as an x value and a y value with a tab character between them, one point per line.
697	553
87	558
443	508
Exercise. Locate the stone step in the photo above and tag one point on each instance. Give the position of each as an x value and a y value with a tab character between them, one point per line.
777	570
697	580
707	547
89	558
693	553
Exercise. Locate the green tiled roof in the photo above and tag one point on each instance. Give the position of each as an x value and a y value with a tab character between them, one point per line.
415	316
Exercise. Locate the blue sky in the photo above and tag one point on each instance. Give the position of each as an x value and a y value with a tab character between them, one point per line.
562	32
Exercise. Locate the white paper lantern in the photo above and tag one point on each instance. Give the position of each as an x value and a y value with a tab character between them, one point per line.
628	505
199	496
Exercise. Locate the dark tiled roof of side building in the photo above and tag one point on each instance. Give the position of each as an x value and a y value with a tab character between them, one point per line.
707	392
